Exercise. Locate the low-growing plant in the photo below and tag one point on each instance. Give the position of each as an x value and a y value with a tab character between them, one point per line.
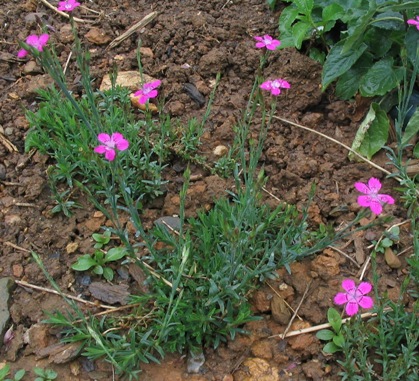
99	261
333	336
383	347
5	370
45	374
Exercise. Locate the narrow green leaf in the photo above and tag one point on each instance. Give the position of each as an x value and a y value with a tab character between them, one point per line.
325	334
338	62
412	127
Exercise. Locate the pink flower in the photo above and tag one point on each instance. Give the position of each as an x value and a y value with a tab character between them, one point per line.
275	86
67	5
116	140
37	42
147	91
371	198
267	42
414	22
354	297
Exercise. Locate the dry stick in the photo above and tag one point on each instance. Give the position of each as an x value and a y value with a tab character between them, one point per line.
45	2
39	288
325	325
285	302
345	255
295	313
132	29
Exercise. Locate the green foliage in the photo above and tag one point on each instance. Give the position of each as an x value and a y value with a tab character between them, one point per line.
363	41
4	372
372	134
57	130
45	374
334	336
384	347
99	259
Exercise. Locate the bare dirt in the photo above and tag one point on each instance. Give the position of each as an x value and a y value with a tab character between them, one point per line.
188	42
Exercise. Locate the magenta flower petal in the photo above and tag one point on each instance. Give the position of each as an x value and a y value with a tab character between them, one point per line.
275	91
155	84
43	39
266	85
366	302
364	288
120	143
361	187
386	199
32	40
374	185
364	201
348	285
340	298
110	154
376	207
103	138
351	308
100	149
22	53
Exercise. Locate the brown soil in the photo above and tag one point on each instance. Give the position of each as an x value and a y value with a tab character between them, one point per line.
188	42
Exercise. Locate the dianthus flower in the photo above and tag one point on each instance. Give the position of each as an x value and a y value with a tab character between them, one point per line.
116	140
37	42
371	198
354	297
414	22
275	86
67	5
267	42
147	91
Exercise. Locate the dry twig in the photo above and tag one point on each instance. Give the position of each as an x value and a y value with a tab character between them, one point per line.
295	313
140	24
322	326
49	290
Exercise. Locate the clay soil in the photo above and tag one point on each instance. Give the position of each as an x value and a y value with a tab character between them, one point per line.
187	42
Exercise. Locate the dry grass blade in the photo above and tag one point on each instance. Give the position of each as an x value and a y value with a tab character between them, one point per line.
39	288
8	144
132	29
